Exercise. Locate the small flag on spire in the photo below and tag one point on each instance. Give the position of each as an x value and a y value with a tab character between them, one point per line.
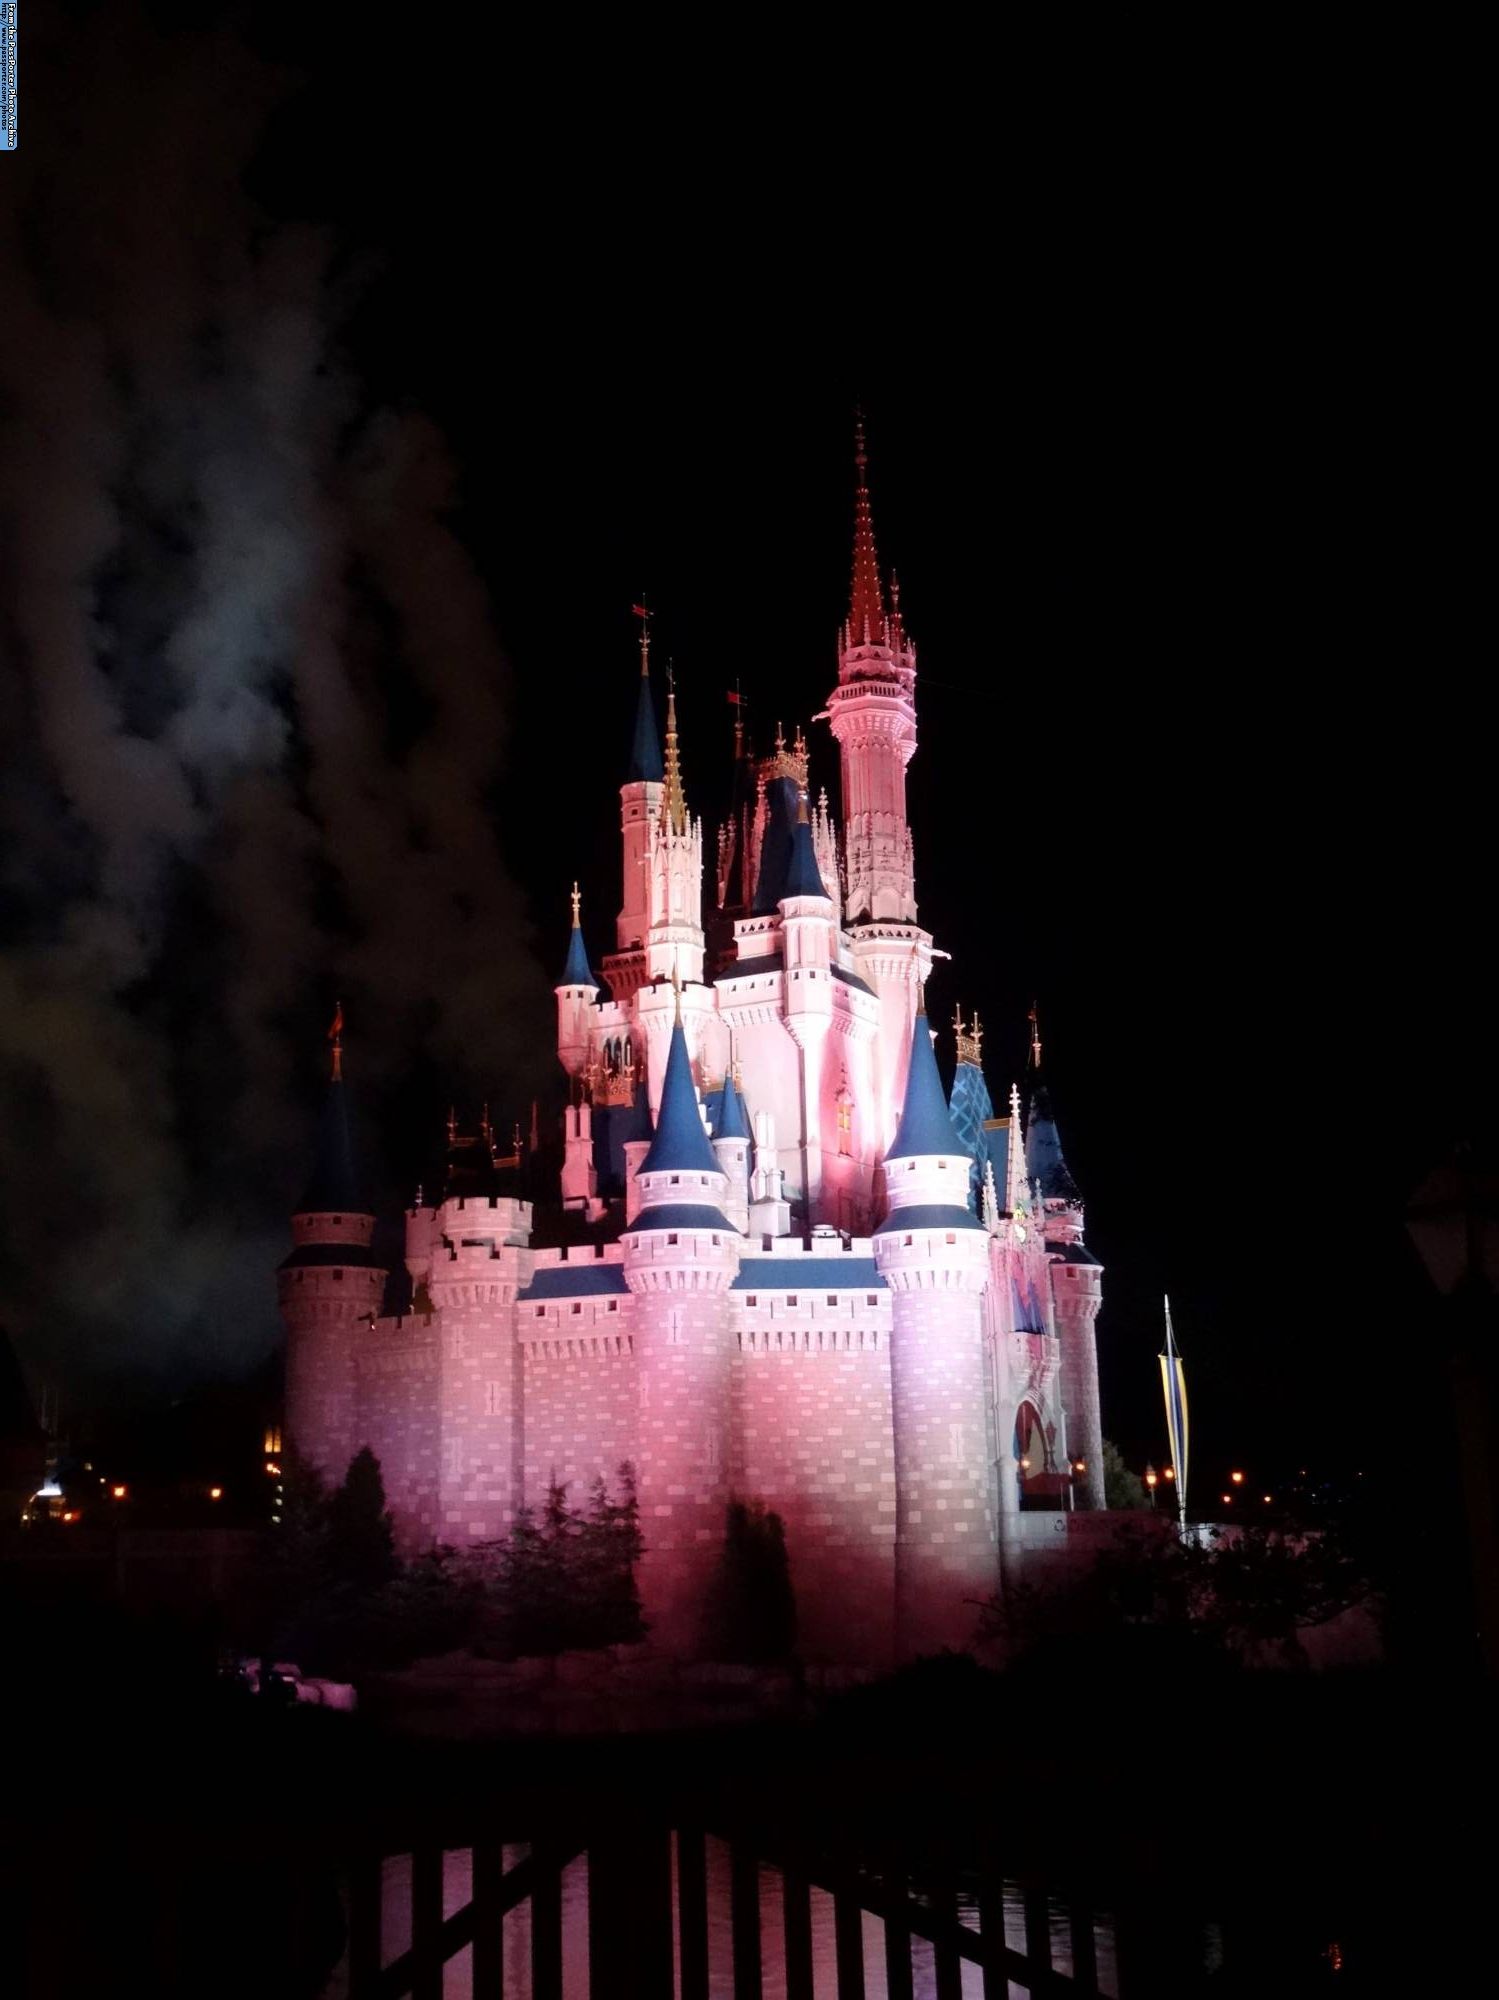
640	610
336	1037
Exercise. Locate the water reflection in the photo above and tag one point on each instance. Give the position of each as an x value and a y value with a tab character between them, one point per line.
458	1974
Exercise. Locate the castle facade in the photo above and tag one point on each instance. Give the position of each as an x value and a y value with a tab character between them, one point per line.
782	1265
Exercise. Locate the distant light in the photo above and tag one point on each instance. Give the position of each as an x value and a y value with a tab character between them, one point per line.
70	1517
1237	1478
215	1492
1082	1465
118	1492
274	1470
48	1490
1266	1498
1170	1472
1025	1465
1228	1499
1150	1479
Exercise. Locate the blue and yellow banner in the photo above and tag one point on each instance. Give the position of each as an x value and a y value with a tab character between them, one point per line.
1174	1389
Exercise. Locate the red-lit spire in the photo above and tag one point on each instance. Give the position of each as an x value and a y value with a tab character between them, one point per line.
866	616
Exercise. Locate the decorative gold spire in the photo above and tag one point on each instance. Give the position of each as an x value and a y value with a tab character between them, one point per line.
673	798
577	906
1035	1022
789	761
970	1040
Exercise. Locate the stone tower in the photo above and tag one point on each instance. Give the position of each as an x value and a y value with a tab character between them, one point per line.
933	1253
1076	1285
872	713
329	1289
681	1254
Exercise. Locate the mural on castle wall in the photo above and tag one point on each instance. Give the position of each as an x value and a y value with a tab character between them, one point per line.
781	1264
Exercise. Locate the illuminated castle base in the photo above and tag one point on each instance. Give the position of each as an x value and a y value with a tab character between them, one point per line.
783	1265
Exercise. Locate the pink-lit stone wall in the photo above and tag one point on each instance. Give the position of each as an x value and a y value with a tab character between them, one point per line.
810	1417
580	1395
946	1533
399	1419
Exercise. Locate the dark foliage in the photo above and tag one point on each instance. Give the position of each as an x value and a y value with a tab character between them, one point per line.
565	1578
751	1613
333	1596
361	1547
1229	1594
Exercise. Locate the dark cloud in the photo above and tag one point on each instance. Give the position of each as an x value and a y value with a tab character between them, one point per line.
254	717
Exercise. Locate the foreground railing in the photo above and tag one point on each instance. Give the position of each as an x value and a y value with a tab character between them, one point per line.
652	1904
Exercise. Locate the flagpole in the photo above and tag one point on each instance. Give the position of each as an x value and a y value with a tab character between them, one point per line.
1174	1389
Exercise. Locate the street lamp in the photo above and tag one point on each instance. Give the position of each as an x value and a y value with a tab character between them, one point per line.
1150	1482
1453	1221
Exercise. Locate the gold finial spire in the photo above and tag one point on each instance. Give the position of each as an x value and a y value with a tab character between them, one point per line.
1035	1021
673	798
336	1038
577	906
676	984
970	1040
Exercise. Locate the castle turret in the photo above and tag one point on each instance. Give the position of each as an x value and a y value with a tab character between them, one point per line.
680	1256
576	993
872	713
810	940
873	716
328	1288
731	1144
1076	1283
934	1254
639	813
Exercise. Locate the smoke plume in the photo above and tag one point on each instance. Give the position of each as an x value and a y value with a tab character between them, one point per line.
251	714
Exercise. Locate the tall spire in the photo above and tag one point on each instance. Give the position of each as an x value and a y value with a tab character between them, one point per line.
803	877
680	1143
674	799
336	1182
925	1128
576	972
645	748
866	615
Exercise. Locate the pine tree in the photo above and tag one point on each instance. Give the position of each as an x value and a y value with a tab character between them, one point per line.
361	1544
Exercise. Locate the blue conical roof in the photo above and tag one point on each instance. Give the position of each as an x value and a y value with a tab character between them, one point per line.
781	798
576	972
645	750
680	1145
336	1186
803	877
925	1122
732	1121
1043	1150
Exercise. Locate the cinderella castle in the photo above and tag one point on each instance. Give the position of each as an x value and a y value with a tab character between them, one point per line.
782	1264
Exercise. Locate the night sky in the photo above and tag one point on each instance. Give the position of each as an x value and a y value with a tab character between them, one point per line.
349	408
